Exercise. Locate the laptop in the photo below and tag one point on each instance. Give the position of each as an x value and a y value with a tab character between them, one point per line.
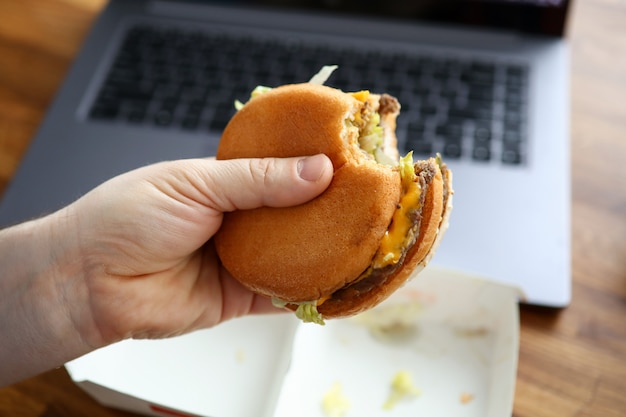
482	82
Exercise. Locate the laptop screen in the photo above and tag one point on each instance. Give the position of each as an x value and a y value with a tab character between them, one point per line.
542	17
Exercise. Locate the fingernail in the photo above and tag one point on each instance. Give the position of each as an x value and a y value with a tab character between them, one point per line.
311	168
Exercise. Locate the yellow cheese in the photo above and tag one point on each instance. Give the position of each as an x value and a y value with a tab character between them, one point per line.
322	299
362	95
402	388
335	403
394	241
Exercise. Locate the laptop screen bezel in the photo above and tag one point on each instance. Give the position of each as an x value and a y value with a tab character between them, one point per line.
538	17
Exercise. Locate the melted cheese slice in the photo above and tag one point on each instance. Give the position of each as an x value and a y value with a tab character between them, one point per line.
395	239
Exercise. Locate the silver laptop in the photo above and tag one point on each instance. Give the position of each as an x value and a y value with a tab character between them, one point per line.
483	82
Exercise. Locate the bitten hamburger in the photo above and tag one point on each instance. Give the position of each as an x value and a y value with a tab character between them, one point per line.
379	221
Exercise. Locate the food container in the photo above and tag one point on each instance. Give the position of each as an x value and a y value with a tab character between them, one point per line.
450	340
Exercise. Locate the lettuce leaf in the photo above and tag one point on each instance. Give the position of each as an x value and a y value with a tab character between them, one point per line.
307	312
323	75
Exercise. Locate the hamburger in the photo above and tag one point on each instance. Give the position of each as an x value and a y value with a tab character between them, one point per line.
379	221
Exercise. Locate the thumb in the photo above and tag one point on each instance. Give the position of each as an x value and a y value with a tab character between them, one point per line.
272	182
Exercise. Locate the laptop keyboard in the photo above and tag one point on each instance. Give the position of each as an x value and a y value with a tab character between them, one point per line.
189	80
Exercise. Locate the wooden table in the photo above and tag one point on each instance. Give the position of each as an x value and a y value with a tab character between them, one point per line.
572	362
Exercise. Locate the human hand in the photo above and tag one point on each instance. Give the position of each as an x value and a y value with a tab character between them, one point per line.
143	262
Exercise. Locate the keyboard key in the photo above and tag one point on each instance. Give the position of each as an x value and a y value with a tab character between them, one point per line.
136	116
482	133
513	98
416	129
460	113
222	115
478	76
516	76
450	131
395	89
512	137
195	108
449	93
163	117
512	118
420	146
480	93
190	122
513	106
481	152
104	112
452	149
428	110
483	67
511	154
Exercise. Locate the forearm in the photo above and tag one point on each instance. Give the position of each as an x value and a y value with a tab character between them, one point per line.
38	284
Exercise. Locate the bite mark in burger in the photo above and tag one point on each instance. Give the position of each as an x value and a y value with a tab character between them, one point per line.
379	221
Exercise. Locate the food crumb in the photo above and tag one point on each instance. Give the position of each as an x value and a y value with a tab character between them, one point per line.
402	388
466	398
335	403
240	356
472	332
395	323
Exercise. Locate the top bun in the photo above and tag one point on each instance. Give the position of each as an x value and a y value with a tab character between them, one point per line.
303	253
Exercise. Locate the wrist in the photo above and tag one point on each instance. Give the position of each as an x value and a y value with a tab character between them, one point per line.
41	294
68	273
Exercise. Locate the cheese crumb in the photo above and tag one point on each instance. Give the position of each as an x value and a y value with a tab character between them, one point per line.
335	403
402	388
466	398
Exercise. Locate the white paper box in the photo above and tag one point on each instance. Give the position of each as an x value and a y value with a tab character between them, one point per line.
456	336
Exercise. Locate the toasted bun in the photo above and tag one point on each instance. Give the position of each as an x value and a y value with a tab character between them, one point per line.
303	253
